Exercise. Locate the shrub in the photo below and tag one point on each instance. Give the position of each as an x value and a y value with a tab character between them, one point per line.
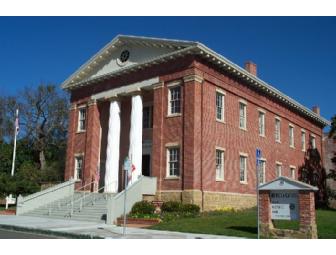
143	207
190	208
171	206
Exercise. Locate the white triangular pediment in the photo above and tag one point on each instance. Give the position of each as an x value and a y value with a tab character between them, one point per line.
285	183
138	50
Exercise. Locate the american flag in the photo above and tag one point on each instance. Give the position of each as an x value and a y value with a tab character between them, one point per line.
17	127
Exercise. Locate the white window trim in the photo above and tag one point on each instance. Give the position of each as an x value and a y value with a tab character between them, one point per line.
223	163
305	140
313	136
264	129
277	163
243	102
77	155
290	169
223	93
293	137
79	108
171	86
245	155
279	119
168	147
264	171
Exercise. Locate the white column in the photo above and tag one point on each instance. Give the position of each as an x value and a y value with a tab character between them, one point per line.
112	151
135	148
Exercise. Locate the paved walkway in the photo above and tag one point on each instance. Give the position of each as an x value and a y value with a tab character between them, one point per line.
96	229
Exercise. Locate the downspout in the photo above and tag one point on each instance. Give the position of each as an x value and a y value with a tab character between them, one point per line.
202	92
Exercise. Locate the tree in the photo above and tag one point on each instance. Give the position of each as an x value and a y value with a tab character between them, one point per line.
313	173
44	113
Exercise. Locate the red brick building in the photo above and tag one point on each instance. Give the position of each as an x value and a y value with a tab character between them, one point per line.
185	115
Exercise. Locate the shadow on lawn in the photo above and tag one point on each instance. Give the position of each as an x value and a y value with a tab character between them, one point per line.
252	230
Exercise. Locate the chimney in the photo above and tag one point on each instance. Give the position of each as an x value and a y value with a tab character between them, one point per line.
316	109
251	67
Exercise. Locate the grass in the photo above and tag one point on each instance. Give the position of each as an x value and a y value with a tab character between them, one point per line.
243	224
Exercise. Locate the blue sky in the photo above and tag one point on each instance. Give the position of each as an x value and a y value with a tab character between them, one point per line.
297	55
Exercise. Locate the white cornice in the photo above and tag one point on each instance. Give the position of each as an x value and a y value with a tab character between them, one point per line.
184	48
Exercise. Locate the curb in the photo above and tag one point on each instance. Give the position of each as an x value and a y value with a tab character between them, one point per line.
49	232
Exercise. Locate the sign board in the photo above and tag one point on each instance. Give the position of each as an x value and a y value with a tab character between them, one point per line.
284	205
258	155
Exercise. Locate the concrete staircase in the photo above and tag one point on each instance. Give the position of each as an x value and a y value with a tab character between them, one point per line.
90	207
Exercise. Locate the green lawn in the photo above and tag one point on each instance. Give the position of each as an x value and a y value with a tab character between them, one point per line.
243	224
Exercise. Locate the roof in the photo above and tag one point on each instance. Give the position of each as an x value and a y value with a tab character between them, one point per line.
173	49
285	183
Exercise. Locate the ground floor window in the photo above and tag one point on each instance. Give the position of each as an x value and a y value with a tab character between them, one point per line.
243	168
78	167
262	171
219	165
173	162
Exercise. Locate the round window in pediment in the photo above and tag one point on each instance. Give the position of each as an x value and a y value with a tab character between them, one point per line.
124	56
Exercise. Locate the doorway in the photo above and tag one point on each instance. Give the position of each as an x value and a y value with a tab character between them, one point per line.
146	165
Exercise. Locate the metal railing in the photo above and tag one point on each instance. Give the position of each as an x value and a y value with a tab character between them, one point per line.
92	195
59	203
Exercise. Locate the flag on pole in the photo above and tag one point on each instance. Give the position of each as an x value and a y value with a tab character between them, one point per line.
17	127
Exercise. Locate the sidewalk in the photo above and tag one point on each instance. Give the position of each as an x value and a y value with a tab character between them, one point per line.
92	229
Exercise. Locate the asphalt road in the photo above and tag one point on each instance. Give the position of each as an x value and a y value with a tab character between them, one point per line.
10	234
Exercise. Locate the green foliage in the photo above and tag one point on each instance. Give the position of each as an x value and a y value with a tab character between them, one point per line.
143	207
190	208
143	216
171	206
178	207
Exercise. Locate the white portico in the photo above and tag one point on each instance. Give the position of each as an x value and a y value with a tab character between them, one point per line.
135	151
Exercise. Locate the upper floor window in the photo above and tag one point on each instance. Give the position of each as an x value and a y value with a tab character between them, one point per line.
278	169
173	162
243	168
81	119
147	117
219	165
261	123
292	172
174	95
291	136
220	106
78	167
303	140
313	141
277	130
242	115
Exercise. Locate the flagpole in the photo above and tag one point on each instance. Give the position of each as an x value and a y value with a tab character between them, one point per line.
15	134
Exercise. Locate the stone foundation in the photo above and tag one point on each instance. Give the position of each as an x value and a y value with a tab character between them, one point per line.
211	200
268	231
218	200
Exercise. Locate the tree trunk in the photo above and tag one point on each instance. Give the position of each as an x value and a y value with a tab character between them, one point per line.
42	160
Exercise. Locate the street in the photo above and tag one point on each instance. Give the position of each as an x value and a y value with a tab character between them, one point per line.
11	234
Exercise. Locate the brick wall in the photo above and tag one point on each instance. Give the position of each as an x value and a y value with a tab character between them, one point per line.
196	131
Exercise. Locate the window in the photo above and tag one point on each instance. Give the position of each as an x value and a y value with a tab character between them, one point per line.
147	117
292	172
261	124
219	106
277	130
243	168
242	115
81	119
313	141
78	167
173	162
278	169
291	136
174	100
303	140
219	165
262	171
